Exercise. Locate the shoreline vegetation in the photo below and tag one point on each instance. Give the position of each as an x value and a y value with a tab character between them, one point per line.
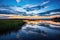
9	25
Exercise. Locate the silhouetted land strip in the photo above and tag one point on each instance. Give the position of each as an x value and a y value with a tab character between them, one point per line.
57	19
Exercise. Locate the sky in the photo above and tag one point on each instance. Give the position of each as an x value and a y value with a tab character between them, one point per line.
24	2
29	6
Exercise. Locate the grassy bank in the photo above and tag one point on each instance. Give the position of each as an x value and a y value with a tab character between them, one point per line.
6	25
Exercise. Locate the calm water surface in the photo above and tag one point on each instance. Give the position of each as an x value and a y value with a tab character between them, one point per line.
34	32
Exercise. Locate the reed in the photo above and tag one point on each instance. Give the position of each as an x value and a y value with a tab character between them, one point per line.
10	24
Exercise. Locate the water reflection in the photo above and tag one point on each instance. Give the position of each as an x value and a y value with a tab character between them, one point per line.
34	32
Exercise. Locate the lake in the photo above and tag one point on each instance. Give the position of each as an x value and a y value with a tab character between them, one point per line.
34	32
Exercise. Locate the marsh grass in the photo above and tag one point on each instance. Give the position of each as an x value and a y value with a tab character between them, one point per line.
6	25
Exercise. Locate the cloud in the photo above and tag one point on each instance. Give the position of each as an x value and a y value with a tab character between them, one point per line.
45	2
6	10
46	6
29	5
18	1
19	9
54	26
54	13
3	9
30	26
27	28
34	12
34	9
9	15
4	16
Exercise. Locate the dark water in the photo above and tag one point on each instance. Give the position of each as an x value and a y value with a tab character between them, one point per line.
34	32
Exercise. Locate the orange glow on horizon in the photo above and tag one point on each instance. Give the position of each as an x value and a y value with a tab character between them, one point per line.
12	16
42	21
